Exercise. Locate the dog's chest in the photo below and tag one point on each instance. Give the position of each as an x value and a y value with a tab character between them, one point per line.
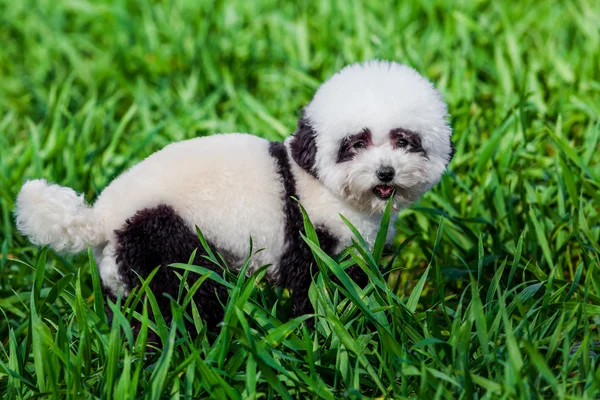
333	224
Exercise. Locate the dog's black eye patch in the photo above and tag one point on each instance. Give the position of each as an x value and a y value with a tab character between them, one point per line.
408	140
351	145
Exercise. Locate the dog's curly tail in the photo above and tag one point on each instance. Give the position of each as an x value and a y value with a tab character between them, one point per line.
56	216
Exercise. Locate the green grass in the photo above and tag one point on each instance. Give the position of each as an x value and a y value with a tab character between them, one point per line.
495	290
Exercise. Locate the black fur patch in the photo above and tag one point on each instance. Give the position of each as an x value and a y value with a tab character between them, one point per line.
412	140
303	146
297	267
295	263
348	148
452	152
159	236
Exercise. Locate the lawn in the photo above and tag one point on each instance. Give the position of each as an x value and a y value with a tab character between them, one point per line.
494	289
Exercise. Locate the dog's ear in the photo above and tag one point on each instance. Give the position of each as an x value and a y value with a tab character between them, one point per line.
452	152
304	147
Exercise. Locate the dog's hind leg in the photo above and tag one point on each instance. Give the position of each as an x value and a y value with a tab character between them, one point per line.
109	270
156	237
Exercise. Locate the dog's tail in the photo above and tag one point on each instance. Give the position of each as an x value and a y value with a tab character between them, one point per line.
56	216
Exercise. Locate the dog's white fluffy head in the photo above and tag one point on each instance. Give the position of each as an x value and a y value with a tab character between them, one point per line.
372	129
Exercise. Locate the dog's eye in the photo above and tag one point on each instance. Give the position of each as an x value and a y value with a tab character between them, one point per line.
359	145
401	143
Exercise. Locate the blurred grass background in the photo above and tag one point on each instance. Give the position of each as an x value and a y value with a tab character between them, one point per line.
88	88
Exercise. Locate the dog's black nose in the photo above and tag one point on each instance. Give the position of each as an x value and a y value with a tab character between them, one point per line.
386	174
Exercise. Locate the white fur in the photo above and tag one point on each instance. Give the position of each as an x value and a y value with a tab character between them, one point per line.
228	185
325	206
108	268
56	216
380	96
224	184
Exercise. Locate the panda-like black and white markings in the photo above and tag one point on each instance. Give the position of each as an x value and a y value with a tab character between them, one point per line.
373	130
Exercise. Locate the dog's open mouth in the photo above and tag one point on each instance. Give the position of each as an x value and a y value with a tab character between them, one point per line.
384	192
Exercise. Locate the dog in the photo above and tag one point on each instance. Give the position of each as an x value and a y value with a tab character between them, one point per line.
374	130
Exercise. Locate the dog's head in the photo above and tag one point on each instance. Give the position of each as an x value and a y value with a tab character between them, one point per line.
373	130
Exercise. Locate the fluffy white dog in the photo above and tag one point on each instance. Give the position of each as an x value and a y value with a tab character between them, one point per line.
373	130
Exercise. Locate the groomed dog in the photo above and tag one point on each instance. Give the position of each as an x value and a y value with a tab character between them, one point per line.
373	130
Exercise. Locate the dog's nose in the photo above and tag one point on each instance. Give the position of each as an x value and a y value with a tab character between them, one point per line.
386	174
